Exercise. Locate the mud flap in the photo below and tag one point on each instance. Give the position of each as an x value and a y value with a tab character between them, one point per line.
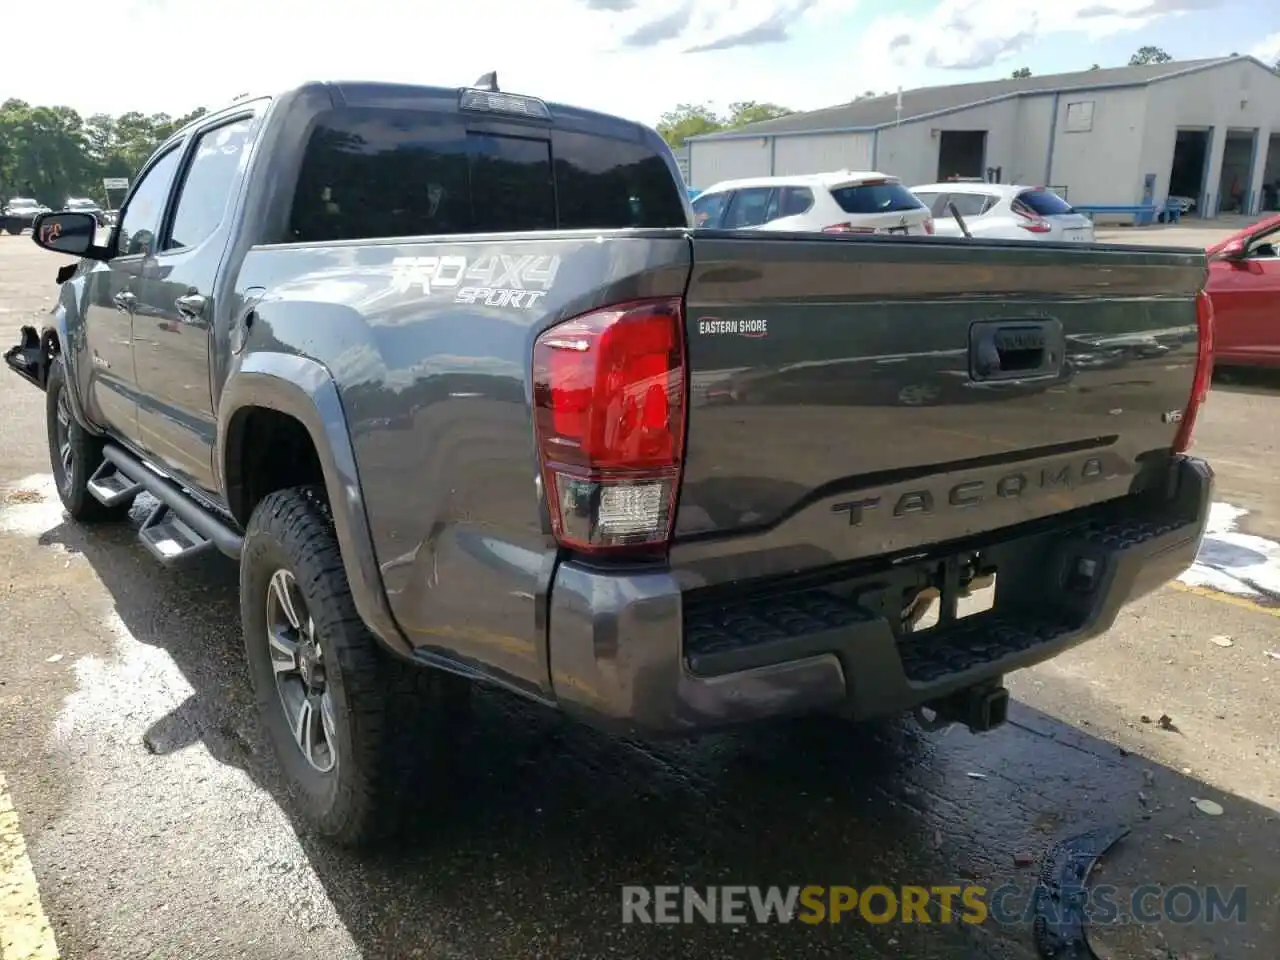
1062	896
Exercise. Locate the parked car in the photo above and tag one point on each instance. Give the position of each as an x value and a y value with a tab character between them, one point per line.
455	428
85	205
1000	211
21	212
836	202
1244	284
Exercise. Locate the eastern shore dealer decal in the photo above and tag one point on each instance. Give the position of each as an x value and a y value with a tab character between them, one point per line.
716	327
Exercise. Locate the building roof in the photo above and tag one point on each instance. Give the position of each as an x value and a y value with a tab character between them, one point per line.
873	112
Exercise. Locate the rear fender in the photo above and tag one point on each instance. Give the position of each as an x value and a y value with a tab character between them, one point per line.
305	390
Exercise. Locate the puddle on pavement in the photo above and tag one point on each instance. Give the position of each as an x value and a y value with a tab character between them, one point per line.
1236	563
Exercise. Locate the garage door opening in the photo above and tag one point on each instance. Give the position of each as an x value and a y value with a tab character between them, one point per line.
1190	153
1237	171
961	153
1271	176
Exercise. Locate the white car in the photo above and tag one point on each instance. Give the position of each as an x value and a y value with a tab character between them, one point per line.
838	202
1002	211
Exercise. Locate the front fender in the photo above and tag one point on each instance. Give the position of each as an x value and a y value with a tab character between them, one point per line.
304	389
71	347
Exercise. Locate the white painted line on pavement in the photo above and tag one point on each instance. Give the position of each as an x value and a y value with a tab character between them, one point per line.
25	933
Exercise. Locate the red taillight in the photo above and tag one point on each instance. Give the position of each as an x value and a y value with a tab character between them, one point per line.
609	395
928	226
847	228
1203	379
1036	225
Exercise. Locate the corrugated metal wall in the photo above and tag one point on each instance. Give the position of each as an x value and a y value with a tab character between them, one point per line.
820	153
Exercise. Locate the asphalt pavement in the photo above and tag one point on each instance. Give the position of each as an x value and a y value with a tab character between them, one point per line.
148	819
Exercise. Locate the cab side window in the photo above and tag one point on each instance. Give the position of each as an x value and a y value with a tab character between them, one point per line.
139	225
217	159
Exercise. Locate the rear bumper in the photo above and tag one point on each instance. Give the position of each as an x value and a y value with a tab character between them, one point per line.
629	650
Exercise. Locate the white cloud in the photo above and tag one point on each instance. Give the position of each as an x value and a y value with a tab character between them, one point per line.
193	53
960	35
1268	49
630	57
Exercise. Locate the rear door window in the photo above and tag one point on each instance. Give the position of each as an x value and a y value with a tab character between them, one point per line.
1045	203
795	201
708	208
376	172
750	207
883	196
969	204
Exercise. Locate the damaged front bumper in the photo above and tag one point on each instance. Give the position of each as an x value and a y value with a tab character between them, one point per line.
27	358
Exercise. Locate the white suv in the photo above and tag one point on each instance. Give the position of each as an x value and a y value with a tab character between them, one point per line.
1001	211
837	202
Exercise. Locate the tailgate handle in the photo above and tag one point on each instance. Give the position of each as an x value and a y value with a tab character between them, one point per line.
1007	350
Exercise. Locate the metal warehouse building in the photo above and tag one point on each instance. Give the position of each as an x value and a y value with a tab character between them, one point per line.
1208	130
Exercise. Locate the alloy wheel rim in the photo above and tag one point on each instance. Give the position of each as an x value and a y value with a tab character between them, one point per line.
297	663
66	455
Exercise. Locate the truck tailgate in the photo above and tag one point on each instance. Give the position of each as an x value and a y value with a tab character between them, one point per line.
860	397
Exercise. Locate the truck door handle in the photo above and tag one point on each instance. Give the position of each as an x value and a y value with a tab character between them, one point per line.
190	305
124	301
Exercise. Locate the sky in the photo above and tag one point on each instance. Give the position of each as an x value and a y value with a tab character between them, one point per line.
636	58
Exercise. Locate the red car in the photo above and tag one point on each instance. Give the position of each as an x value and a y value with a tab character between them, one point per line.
1244	285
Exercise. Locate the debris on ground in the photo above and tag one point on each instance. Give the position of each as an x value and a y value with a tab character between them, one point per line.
1222	640
1061	896
1023	860
1272	654
1166	723
54	659
1208	807
976	776
1172	839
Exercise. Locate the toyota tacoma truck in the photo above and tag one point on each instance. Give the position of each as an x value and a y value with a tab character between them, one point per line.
452	377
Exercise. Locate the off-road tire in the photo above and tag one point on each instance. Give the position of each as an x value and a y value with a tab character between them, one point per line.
393	721
86	457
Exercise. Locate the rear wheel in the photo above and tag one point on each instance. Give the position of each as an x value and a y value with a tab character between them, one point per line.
13	226
74	453
350	726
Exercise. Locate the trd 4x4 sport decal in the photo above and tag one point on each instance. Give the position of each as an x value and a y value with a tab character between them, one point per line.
489	281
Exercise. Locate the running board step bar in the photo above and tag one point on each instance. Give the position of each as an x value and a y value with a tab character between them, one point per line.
110	487
179	526
168	538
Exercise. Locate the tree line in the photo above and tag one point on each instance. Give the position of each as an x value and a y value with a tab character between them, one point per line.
52	153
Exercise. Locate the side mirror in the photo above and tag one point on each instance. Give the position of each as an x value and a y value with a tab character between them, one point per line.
1235	249
67	232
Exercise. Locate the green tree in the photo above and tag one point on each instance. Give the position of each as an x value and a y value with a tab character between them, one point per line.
1095	67
1021	73
750	111
52	153
1148	54
688	120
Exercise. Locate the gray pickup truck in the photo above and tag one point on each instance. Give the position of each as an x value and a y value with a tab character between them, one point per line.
451	376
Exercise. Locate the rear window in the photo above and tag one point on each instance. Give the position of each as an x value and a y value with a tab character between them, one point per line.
374	172
886	196
1046	203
